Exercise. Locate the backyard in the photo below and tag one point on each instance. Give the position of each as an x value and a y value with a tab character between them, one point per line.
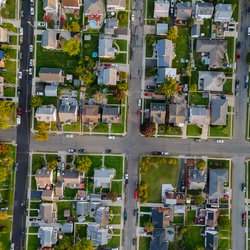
156	171
10	74
38	160
144	243
206	27
193	239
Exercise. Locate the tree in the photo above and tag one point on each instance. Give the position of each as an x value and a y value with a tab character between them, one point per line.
8	51
190	22
119	94
148	128
112	196
150	39
169	87
123	76
248	58
74	27
87	77
1	245
198	200
151	71
84	244
123	86
36	101
4	174
42	134
201	164
3	215
6	109
148	226
72	47
83	163
223	221
52	165
66	243
172	33
9	27
98	96
4	149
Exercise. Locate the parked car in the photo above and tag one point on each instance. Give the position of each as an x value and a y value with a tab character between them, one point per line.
21	31
16	167
244	217
136	194
30	71
69	136
125	215
31	2
20	55
8	99
164	153
20	75
134	241
148	94
238	45
243	187
18	119
229	75
111	137
220	141
31	63
132	17
150	87
81	150
19	90
59	158
139	103
22	13
236	92
156	153
32	11
12	246
108	151
238	56
139	71
126	178
135	212
31	48
197	140
41	24
71	150
19	111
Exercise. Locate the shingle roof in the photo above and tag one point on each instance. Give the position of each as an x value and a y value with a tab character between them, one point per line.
94	7
211	241
183	11
217	178
219	108
204	10
106	47
157	218
199	115
108	76
161	8
70	3
159	242
165	53
82	208
223	12
49	39
48	236
177	113
211	80
103	176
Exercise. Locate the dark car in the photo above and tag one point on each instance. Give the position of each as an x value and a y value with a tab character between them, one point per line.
135	212
125	215
108	151
9	99
229	75
59	158
150	87
156	152
238	45
19	90
82	150
244	217
18	111
134	241
243	187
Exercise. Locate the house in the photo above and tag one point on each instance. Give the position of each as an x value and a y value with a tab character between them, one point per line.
217	180
99	236
211	80
43	177
159	241
196	179
68	110
199	115
215	48
177	114
46	113
58	188
4	35
174	198
111	115
49	40
110	26
165	53
219	108
90	114
47	236
211	239
161	29
162	73
223	13
47	195
82	208
161	8
2	63
71	6
67	228
116	5
72	177
103	177
50	6
48	212
101	216
107	76
158	112
50	90
211	218
53	75
203	10
161	217
105	48
195	30
180	209
183	11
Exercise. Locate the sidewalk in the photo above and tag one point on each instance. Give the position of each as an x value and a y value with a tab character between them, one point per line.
16	23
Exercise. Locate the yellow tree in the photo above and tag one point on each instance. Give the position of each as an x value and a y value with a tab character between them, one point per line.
172	33
52	165
168	87
83	163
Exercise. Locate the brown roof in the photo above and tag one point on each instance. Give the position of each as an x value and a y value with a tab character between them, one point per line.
71	3
90	114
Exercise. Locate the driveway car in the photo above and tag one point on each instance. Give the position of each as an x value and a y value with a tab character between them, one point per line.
238	56
19	111
148	94
41	24
22	13
111	137
21	31
69	136
31	48
132	17
150	87
71	150
220	141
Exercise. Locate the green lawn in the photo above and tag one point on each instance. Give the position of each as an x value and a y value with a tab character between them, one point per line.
40	11
119	127
65	205
38	161
114	242
193	130
178	219
144	243
227	87
5	233
116	186
10	74
96	163
116	219
115	162
145	209
149	49
9	10
115	210
33	242
73	127
122	44
194	77
144	218
70	192
112	100
193	239
158	171
223	244
217	163
230	48
221	131
13	40
181	46
10	92
81	230
195	98
35	205
33	229
91	46
206	27
55	59
119	58
123	19
164	129
150	8
101	128
190	217
47	100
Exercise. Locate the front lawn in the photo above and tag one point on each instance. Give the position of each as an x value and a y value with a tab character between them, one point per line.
38	161
116	219
114	242
190	217
144	218
193	130
223	244
227	87
122	44
70	192
164	129
193	239
33	242
73	127
217	163
144	243
47	100
81	230
206	27
10	74
221	131
9	11
150	9
195	98
96	164
40	11
13	40
10	92
101	128
123	19
156	171
230	48
115	210
119	58
115	162
116	186
149	48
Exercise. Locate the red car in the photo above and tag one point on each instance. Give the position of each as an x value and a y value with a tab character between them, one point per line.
237	56
244	217
18	111
136	194
138	112
148	94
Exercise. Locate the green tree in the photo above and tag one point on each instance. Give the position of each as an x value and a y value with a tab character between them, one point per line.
8	51
201	164
74	27
72	47
3	215
148	128
4	174
123	86
172	33
148	226
66	243
198	200
123	76
169	87
193	87
9	27
84	244
119	94
150	39
88	78
248	58
1	245
190	22
112	196
151	71
36	101
83	163
52	165
4	148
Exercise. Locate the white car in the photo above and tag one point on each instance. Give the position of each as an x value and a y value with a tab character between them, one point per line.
220	141
139	103
41	24
18	119
31	48
30	71
31	2
20	74
132	17
31	63
21	31
32	11
111	137
165	153
12	246
69	136
22	13
16	166
71	150
126	178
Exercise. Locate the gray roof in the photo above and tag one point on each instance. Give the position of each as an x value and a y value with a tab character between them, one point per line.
111	23
216	49
158	112
165	53
106	47
108	76
50	4
101	216
50	90
157	217
51	75
204	10
199	115
177	113
95	197
161	28
217	178
82	208
48	236
71	173
49	39
161	8
116	4
67	228
162	73
111	114
43	172
158	106
50	70
68	106
219	108
196	179
97	235
211	240
223	12
195	30
159	240
94	7
103	177
211	80
183	11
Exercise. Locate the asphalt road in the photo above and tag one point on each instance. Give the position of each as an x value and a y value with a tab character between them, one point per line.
23	133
